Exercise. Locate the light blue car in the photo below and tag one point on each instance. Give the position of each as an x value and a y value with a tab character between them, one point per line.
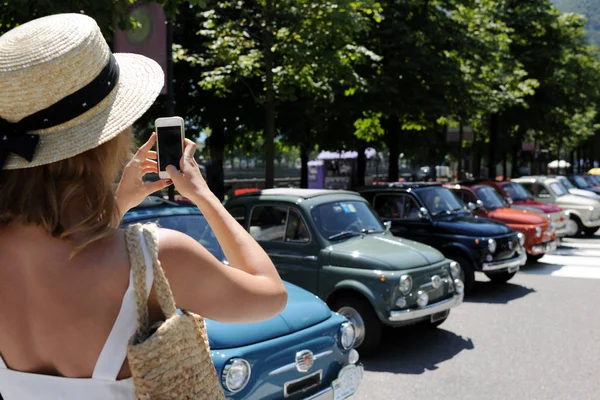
303	353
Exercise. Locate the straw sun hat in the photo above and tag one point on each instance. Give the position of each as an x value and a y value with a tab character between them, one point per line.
62	91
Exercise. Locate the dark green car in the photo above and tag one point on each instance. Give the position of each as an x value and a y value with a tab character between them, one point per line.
332	244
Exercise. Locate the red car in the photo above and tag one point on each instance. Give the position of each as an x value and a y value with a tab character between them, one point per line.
484	201
515	194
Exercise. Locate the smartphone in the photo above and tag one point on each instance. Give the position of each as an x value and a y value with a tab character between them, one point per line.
170	134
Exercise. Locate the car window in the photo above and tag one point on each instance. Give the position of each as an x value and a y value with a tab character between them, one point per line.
467	197
439	200
567	183
239	213
388	206
581	182
542	192
195	226
268	223
350	216
410	210
296	231
490	197
517	191
558	189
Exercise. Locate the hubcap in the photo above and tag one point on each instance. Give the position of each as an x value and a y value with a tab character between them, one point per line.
359	325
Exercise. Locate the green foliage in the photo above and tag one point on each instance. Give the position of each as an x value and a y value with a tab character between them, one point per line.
590	9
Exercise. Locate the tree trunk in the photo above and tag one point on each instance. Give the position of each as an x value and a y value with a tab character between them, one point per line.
505	166
514	173
461	167
393	143
214	169
304	166
270	97
361	166
494	126
476	157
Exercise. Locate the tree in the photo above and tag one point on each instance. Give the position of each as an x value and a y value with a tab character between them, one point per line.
281	51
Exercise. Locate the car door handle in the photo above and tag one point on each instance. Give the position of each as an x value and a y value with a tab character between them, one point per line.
293	257
310	258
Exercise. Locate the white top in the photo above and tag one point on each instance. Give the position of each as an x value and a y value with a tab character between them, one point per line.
103	384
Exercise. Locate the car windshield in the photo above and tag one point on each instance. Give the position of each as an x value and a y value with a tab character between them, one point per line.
439	201
490	198
581	182
566	182
558	189
589	180
516	191
342	219
195	226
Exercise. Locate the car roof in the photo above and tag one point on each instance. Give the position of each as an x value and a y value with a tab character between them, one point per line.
536	178
289	194
399	185
155	207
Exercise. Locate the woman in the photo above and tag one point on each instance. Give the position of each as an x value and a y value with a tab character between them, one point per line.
67	104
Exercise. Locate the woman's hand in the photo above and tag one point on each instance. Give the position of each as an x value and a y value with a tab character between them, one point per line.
189	182
132	190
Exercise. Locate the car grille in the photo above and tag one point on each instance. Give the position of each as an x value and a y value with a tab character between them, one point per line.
506	247
303	384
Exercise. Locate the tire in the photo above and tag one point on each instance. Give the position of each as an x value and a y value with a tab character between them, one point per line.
367	325
534	259
580	227
468	272
501	277
590	231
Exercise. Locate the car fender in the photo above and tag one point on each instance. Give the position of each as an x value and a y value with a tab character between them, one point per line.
351	285
460	248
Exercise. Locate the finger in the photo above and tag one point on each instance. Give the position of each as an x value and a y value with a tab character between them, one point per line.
145	148
149	170
152	154
174	174
150	163
152	187
190	150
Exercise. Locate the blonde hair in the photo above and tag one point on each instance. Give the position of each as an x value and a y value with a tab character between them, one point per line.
68	197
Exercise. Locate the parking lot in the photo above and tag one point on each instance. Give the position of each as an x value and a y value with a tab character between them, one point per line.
533	338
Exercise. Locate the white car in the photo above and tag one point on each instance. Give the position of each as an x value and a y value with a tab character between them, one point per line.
583	211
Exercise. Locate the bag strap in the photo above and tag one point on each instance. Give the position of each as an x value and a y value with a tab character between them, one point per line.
142	244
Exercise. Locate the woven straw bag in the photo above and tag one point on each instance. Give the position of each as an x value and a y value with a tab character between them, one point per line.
171	360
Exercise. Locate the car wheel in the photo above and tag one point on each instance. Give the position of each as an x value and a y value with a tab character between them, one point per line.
467	274
590	231
533	259
368	327
579	224
501	277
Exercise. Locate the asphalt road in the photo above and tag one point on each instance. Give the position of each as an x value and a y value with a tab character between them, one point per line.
537	337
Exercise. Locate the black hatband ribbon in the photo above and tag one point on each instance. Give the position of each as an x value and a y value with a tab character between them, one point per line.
15	137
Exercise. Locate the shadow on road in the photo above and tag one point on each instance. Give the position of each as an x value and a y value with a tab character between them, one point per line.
415	350
540	268
494	293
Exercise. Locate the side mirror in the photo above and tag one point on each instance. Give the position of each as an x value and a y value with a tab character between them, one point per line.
471	206
478	205
388	225
509	200
423	213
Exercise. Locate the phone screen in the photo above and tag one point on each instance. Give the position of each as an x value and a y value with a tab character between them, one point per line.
169	146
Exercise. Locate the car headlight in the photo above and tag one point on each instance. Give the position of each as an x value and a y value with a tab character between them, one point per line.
347	335
460	286
538	232
236	374
521	238
492	245
455	269
422	298
406	283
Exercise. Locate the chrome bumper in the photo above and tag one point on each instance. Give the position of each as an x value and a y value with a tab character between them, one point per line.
407	315
506	264
546	247
564	231
327	393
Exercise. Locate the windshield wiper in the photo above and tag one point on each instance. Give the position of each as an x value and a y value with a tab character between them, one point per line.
343	235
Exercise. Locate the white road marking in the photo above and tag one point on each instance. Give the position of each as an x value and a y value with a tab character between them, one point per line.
576	258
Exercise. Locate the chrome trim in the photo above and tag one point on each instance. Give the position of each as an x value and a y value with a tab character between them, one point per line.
505	264
293	257
407	315
226	372
285	386
292	366
444	281
327	393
